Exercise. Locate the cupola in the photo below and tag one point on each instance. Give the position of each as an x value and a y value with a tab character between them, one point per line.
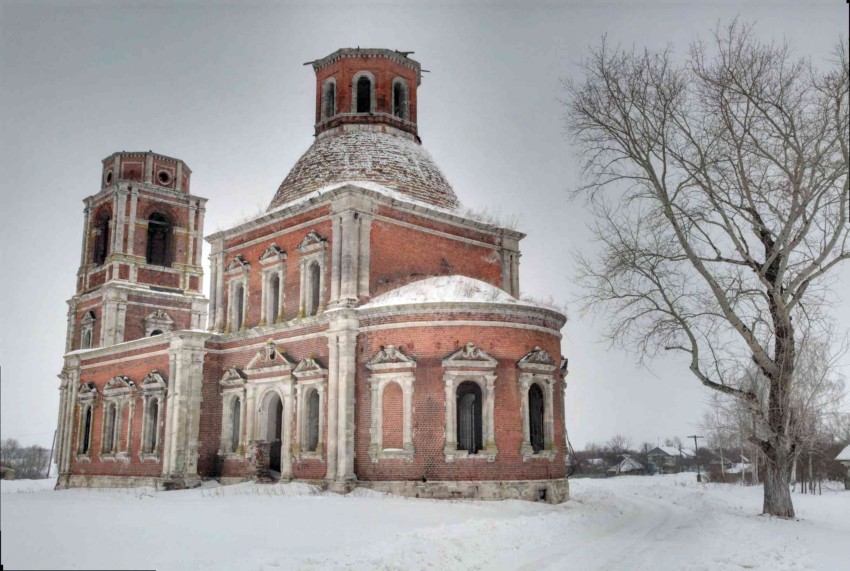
366	86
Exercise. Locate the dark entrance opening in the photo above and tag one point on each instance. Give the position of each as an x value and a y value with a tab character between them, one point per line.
469	429
274	426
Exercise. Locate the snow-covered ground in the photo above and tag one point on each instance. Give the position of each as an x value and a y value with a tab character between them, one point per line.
661	522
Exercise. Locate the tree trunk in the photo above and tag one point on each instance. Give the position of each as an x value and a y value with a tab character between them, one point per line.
777	495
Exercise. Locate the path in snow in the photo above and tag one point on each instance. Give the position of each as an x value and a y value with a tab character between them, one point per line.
667	522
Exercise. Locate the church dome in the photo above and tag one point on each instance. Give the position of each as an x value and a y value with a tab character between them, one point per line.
382	155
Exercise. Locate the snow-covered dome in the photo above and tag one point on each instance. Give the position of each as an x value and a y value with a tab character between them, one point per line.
444	289
360	153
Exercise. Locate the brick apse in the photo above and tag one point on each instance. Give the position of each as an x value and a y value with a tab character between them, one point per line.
361	332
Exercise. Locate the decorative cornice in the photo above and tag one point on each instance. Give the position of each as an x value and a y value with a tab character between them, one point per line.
470	356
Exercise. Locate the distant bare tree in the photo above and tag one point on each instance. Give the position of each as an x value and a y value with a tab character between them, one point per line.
619	443
720	188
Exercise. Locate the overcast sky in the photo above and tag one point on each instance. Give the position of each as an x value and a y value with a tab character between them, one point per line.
224	89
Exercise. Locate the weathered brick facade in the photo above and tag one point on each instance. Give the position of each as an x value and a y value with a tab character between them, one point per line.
361	332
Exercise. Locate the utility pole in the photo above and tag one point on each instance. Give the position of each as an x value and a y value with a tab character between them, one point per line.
699	474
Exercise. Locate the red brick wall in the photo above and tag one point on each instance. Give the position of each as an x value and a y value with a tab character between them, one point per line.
316	348
288	242
384	70
400	255
135	370
392	410
429	346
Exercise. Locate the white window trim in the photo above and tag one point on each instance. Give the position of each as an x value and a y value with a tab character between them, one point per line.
86	399
233	386
87	330
116	429
405	113
227	399
273	261
526	380
486	382
269	316
322	113
537	367
148	425
237	272
309	375
313	249
457	370
231	306
158	320
153	387
372	99
391	366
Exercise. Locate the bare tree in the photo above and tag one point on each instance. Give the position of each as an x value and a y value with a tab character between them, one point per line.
619	444
721	193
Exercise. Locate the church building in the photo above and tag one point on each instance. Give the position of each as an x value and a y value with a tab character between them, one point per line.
362	332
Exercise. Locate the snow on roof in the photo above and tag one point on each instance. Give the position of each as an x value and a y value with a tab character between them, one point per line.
844	454
673	451
627	465
444	289
385	158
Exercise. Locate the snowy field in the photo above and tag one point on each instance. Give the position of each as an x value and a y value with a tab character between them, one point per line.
661	522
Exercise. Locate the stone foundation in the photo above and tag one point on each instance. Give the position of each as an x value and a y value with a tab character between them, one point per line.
65	482
549	491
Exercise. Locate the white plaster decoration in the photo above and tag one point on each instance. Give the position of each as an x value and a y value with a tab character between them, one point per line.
87	330
312	249
159	321
118	392
86	401
329	99
372	100
470	364
310	376
68	387
269	359
233	390
186	359
538	368
153	389
273	261
237	271
390	365
270	369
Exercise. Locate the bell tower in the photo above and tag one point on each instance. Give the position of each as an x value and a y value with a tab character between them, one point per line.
140	262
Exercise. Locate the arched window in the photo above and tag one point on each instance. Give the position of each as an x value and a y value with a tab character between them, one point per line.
156	332
329	100
235	423
311	438
85	437
274	297
149	445
364	94
159	240
469	422
110	429
536	426
314	277
238	306
400	104
101	238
